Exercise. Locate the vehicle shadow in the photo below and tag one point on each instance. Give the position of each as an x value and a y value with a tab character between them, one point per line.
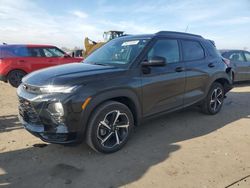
242	84
152	143
9	123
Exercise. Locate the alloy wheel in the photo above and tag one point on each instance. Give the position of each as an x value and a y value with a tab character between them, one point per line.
113	129
216	99
15	78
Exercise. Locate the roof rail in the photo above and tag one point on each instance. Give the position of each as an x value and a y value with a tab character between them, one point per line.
175	32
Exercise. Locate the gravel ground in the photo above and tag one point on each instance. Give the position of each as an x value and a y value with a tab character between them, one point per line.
186	149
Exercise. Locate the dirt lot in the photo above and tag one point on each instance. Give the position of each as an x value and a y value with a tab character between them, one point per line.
183	149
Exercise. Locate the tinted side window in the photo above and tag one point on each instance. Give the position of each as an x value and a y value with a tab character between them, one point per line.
236	56
6	52
247	55
21	52
167	48
53	52
13	51
36	52
192	50
212	50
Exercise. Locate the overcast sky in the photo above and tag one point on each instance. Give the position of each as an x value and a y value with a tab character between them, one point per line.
67	22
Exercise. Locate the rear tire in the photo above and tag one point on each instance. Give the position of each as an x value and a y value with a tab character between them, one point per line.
214	100
15	77
109	127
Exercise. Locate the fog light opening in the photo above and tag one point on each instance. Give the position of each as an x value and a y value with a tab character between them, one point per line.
59	108
56	109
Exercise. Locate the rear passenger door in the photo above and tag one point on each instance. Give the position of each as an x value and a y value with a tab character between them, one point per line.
247	57
163	87
239	64
197	75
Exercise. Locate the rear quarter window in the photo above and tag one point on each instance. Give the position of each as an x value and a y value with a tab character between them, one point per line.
212	50
192	50
6	52
21	52
13	51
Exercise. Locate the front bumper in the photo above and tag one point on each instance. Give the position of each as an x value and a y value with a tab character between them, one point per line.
39	121
57	137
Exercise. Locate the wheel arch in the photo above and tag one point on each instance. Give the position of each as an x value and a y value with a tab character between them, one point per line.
124	96
18	69
225	82
11	71
129	103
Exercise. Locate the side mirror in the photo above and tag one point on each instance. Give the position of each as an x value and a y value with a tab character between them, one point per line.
155	61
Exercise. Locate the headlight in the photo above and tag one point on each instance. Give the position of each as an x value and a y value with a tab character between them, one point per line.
57	89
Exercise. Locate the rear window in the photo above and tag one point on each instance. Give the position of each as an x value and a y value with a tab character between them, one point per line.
13	51
192	50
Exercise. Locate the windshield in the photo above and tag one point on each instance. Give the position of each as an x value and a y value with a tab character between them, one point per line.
117	52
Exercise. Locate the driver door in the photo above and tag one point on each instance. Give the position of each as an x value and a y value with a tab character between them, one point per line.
163	87
54	56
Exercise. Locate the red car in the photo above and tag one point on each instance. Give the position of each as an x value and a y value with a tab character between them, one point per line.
18	60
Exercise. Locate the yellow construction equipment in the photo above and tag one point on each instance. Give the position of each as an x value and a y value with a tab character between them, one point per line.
91	46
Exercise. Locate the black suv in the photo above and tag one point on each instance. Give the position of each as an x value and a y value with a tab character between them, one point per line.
126	80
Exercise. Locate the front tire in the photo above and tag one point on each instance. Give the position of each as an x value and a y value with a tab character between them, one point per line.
214	100
15	77
109	127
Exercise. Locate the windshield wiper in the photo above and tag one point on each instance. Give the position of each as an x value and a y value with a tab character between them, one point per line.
103	64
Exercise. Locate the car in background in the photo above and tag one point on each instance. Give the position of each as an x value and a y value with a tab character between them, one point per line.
240	63
18	60
77	53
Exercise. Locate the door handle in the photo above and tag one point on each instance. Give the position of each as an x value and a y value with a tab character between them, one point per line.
211	65
21	61
179	69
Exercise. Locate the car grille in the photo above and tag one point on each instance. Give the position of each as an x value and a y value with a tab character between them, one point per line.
27	111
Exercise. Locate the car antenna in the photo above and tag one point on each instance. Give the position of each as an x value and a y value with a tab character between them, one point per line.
187	28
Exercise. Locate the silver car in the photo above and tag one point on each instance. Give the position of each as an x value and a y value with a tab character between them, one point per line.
240	62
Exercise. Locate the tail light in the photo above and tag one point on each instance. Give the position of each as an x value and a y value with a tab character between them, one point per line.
226	61
229	68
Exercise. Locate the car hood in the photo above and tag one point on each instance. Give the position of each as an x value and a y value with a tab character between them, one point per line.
68	74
